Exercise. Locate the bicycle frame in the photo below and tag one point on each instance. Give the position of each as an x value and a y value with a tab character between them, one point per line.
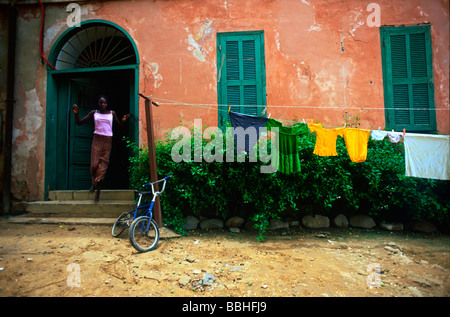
135	211
138	208
149	212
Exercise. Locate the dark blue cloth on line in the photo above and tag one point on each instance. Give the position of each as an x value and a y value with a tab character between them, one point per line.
245	139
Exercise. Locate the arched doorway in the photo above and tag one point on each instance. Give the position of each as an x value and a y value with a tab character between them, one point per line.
97	58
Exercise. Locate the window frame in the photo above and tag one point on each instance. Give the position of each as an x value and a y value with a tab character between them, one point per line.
260	79
386	32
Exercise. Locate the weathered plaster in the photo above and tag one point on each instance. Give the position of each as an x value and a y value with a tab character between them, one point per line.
201	44
323	62
27	160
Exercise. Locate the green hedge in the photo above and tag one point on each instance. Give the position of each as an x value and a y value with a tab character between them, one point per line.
325	185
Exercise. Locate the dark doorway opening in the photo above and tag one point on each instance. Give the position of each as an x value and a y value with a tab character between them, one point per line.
84	90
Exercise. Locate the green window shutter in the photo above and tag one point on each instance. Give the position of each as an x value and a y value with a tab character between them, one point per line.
240	74
408	78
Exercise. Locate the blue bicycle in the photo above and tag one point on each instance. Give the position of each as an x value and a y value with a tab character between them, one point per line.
144	232
124	221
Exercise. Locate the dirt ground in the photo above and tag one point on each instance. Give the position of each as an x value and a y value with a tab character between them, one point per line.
85	261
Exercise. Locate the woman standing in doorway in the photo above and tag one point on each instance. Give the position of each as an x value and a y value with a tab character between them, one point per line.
102	140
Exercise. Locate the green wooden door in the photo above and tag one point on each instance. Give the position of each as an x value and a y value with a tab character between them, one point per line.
408	78
68	147
84	94
241	76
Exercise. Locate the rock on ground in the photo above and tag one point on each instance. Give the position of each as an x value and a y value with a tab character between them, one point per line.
362	221
211	224
316	221
191	223
341	221
276	224
423	226
234	222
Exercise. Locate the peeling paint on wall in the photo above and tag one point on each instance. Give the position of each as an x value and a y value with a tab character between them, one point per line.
26	126
198	42
27	169
195	48
158	79
355	24
151	71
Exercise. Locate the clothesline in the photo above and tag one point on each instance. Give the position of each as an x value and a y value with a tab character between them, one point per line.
226	107
226	110
174	102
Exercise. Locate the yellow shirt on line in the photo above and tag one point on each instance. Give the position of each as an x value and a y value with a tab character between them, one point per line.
355	141
325	139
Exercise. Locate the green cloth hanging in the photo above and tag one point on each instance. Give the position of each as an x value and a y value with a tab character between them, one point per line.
289	161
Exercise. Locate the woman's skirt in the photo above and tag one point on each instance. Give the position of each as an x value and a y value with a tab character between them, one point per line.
100	151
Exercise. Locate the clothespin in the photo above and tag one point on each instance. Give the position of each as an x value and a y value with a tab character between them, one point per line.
269	115
404	130
229	109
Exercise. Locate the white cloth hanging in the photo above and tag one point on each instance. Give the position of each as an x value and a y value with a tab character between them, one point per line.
394	137
427	156
378	134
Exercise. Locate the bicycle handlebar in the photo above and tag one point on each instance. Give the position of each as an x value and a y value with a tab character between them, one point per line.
162	179
158	181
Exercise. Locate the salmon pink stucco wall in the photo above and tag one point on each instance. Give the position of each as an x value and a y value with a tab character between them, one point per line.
322	62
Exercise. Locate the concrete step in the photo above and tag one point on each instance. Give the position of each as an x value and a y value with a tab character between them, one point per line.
107	194
78	208
80	203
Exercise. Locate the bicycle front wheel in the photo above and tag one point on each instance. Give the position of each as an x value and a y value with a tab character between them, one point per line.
144	234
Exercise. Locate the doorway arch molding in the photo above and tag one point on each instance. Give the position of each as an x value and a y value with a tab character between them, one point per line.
55	129
69	33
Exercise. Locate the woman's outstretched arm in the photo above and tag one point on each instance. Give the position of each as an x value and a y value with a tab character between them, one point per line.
85	119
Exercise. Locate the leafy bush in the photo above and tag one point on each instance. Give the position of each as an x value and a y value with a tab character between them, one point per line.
326	185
